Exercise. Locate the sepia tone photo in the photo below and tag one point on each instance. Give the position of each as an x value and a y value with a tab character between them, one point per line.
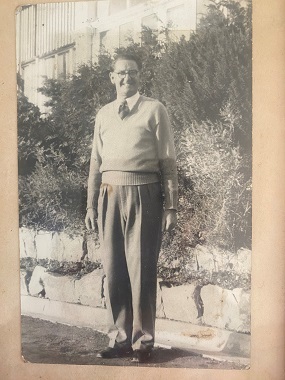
134	162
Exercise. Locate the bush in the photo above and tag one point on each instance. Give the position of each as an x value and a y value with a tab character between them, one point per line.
30	133
53	198
196	79
205	84
53	195
220	192
208	96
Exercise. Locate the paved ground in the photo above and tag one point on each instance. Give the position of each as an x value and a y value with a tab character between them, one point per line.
54	343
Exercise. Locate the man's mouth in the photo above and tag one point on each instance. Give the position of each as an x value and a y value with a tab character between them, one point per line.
127	83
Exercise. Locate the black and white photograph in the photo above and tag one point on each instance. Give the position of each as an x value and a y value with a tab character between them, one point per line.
134	125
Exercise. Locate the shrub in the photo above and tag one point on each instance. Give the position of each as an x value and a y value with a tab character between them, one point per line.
53	196
196	79
205	84
208	96
220	193
30	133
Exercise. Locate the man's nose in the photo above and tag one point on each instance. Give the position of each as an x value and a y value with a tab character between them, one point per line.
128	78
128	75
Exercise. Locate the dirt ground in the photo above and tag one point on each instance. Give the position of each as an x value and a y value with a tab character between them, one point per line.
54	343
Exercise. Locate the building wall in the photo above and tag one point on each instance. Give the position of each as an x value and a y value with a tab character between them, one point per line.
54	39
46	43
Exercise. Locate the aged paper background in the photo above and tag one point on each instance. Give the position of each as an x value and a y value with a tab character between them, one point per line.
268	306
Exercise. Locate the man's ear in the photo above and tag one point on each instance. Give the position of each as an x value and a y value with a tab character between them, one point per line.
111	75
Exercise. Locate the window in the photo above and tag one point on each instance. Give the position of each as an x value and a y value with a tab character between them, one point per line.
149	28
179	22
109	40
126	34
104	39
150	21
50	67
61	66
178	18
30	81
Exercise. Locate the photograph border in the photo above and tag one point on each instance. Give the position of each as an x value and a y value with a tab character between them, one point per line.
268	220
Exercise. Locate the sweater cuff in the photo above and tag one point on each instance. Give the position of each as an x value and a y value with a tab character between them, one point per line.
171	200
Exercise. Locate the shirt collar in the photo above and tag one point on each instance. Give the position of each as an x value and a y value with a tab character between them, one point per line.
131	101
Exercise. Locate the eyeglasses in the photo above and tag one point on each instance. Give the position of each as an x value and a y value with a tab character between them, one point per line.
122	74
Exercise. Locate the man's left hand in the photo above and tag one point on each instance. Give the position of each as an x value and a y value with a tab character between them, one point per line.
169	220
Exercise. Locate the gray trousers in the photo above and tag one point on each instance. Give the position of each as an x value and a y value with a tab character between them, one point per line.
129	221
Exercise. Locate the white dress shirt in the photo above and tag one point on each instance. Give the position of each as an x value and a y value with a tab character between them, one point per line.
131	101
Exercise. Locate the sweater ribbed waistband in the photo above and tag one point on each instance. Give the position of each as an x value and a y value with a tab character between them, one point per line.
128	178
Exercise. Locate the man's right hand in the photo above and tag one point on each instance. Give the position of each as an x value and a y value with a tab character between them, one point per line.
90	219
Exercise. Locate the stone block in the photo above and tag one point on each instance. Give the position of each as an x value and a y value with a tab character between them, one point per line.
214	260
222	260
57	247
221	308
204	258
93	249
27	243
244	260
243	299
60	288
89	289
159	302
36	284
179	304
72	247
23	283
43	242
241	261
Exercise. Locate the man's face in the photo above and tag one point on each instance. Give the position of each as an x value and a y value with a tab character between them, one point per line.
125	86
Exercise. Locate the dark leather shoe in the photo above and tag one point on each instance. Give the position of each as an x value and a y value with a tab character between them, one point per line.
115	352
140	356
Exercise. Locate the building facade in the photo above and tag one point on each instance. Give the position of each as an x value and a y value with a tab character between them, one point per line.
53	39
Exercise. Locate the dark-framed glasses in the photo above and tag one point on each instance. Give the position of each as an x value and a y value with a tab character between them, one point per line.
122	74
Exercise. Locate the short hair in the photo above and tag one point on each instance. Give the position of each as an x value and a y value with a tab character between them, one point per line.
127	57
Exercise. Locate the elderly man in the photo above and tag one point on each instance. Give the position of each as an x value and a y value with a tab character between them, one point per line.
132	190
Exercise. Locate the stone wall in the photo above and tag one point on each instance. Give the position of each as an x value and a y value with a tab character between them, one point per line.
207	304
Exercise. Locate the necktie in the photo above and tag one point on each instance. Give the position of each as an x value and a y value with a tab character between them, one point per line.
123	109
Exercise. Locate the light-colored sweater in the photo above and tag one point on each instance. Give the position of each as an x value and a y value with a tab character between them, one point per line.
136	150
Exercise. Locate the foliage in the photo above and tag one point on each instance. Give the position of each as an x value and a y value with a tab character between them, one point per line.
210	71
205	84
224	279
73	105
220	191
53	197
149	51
70	268
208	96
30	133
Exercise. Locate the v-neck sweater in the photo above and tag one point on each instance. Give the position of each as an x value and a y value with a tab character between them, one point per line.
136	150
